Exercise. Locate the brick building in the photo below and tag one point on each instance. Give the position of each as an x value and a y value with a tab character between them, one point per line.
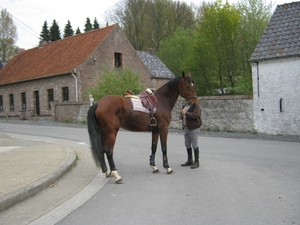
51	79
276	74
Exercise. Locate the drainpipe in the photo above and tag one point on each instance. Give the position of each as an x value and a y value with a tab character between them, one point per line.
76	85
257	77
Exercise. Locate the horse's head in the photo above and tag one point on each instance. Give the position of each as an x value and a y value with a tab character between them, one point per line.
187	89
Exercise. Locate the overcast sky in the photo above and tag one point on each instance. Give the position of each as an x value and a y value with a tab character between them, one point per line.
30	15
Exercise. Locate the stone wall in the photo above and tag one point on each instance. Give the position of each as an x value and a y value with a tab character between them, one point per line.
70	111
221	113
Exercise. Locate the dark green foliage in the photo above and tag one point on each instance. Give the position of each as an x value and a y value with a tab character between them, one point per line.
88	26
68	30
96	24
45	34
54	32
78	31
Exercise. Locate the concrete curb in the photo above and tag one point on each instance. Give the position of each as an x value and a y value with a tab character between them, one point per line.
37	186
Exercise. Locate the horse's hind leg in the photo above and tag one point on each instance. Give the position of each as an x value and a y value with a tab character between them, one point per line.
153	151
109	153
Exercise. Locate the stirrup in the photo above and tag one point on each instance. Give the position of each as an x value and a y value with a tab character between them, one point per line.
152	122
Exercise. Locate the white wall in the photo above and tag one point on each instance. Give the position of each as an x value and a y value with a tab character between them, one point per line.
277	79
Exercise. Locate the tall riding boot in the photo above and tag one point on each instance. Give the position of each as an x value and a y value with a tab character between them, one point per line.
196	163
190	158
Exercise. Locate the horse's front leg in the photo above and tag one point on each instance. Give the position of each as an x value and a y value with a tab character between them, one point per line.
163	140
153	151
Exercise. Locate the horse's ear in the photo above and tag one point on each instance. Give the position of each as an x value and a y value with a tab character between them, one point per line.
183	74
189	75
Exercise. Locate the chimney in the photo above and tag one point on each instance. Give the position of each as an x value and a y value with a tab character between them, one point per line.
151	51
42	44
19	50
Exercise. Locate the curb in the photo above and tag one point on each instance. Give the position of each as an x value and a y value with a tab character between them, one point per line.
37	186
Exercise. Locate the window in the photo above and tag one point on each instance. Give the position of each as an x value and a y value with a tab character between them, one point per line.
23	98
1	103
50	97
11	102
65	91
118	60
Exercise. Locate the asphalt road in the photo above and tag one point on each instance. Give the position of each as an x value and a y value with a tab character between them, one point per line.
240	181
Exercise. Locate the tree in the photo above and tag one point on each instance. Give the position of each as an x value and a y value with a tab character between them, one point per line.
68	32
173	50
255	17
88	26
8	36
78	31
96	24
148	22
54	32
216	48
116	82
45	34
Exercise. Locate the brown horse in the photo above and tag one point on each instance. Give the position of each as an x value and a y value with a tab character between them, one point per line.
112	112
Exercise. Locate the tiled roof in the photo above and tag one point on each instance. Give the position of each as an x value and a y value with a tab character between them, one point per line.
281	37
54	58
155	66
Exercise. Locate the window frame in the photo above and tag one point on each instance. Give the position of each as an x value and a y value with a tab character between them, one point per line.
65	94
11	102
50	93
118	60
23	100
1	103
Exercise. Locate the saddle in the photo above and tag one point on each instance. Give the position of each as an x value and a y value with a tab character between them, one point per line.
148	100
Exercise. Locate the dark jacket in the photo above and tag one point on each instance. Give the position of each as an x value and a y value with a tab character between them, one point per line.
193	117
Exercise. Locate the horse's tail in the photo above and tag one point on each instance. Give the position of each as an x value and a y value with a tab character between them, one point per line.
95	138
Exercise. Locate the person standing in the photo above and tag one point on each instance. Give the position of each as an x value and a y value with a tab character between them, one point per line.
191	118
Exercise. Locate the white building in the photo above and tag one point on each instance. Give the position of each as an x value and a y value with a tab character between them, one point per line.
276	74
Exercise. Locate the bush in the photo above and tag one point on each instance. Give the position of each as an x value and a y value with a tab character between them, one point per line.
116	82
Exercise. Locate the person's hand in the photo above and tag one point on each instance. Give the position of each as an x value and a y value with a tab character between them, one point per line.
183	112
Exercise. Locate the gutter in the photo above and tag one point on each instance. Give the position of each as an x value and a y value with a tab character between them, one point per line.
254	60
76	85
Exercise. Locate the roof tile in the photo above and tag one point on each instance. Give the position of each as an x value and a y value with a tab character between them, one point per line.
281	37
54	58
155	66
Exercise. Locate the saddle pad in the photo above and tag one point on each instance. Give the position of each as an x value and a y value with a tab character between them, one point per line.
138	106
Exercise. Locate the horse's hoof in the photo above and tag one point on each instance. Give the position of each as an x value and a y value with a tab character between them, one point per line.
120	181
155	171
107	174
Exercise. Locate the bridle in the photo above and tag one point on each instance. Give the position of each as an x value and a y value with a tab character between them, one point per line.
189	97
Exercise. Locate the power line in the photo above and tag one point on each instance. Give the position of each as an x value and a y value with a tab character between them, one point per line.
31	30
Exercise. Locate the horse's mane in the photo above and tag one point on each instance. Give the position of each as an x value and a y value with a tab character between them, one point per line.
173	82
